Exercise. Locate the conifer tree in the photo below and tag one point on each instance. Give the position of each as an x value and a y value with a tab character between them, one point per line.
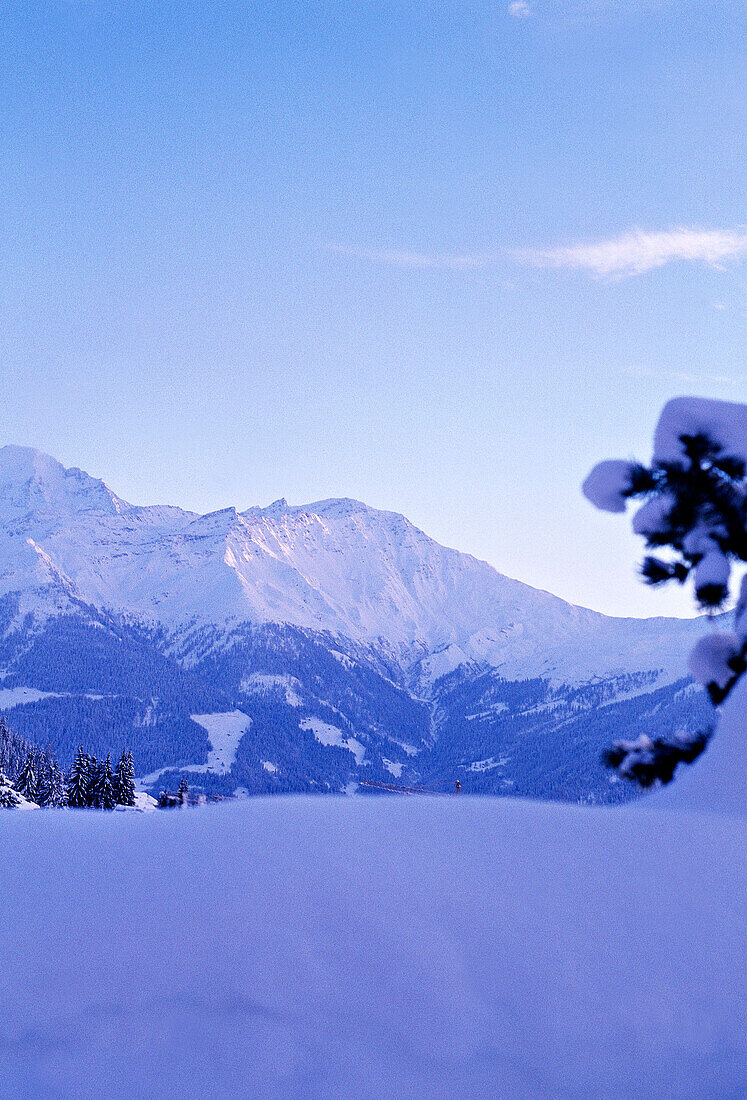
42	763
105	786
91	765
131	776
56	793
78	781
7	755
9	796
124	780
27	783
94	782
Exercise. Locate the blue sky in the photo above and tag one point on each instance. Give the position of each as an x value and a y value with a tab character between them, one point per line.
439	255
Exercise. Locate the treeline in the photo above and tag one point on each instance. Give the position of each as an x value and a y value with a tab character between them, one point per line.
92	782
29	772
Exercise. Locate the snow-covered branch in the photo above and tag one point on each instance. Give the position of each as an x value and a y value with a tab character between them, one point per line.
694	505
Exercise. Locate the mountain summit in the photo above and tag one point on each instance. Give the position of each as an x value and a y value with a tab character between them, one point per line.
32	482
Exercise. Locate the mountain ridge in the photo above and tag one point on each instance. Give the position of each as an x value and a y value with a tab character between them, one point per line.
335	565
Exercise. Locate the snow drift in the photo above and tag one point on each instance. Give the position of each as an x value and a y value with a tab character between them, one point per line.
327	947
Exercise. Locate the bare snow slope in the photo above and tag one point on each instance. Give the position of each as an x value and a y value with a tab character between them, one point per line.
336	566
327	948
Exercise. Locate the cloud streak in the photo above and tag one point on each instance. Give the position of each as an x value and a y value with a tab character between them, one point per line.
395	257
519	9
636	252
631	253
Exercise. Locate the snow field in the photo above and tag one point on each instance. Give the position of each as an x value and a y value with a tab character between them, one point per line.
225	731
331	735
328	947
19	696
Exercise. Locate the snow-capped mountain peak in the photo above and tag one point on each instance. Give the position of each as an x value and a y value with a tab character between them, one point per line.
335	566
32	481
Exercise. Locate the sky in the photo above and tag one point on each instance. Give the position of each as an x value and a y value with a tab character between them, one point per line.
438	255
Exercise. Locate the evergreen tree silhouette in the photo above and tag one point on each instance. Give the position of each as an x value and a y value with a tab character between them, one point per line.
42	764
78	781
94	782
27	783
695	506
56	793
124	780
105	786
9	796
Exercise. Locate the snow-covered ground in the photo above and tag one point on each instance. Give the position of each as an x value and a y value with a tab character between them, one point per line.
392	767
259	682
332	735
20	696
489	764
306	947
225	730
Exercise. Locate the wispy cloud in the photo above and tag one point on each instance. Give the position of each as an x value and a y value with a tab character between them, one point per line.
520	9
688	378
395	257
632	253
637	251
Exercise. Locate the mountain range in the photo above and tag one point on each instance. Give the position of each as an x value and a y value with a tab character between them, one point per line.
309	647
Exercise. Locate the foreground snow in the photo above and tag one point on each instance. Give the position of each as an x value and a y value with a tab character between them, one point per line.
320	947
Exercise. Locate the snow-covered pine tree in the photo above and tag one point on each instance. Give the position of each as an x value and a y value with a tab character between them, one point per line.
91	766
694	497
13	751
105	792
56	794
7	754
95	776
43	770
9	796
124	780
30	768
131	775
78	781
27	782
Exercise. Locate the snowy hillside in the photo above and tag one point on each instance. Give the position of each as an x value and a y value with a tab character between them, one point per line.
352	646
